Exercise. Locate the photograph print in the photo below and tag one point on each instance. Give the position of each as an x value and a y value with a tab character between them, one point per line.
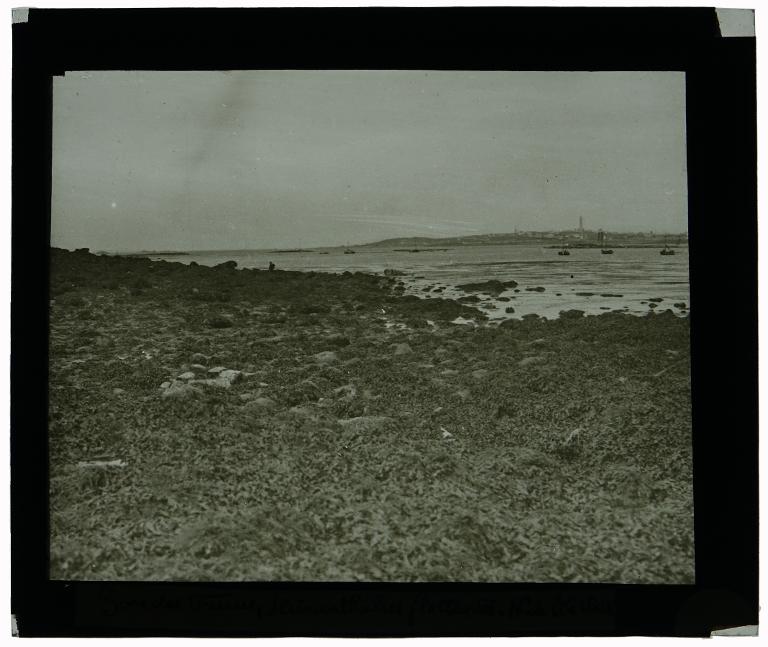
370	326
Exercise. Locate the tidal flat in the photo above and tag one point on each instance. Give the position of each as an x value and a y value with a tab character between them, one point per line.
216	423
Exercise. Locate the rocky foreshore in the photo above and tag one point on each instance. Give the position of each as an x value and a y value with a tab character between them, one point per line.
227	424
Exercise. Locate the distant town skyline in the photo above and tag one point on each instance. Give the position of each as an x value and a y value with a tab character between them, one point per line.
277	159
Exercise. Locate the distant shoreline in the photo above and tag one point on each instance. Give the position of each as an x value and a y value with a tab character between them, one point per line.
378	247
547	240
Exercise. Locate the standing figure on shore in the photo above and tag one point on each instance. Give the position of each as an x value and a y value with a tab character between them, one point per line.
271	266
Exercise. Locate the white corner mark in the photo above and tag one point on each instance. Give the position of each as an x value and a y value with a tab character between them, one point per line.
20	14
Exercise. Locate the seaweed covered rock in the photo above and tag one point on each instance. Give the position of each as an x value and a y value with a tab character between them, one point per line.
219	321
179	391
493	287
402	349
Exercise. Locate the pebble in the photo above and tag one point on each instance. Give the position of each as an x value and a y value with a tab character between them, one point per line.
118	391
480	373
216	369
189	375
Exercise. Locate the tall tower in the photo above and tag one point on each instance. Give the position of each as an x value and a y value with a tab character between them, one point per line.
581	226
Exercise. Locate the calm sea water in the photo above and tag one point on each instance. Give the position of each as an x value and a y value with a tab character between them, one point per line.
637	275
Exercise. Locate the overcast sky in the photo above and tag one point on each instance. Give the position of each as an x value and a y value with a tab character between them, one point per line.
264	159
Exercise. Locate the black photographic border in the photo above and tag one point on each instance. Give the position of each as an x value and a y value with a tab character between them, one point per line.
722	181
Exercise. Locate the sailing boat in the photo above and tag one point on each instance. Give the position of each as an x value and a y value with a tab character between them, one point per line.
601	240
667	251
347	250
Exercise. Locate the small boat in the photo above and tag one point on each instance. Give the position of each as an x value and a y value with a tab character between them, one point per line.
348	251
563	252
667	251
601	240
